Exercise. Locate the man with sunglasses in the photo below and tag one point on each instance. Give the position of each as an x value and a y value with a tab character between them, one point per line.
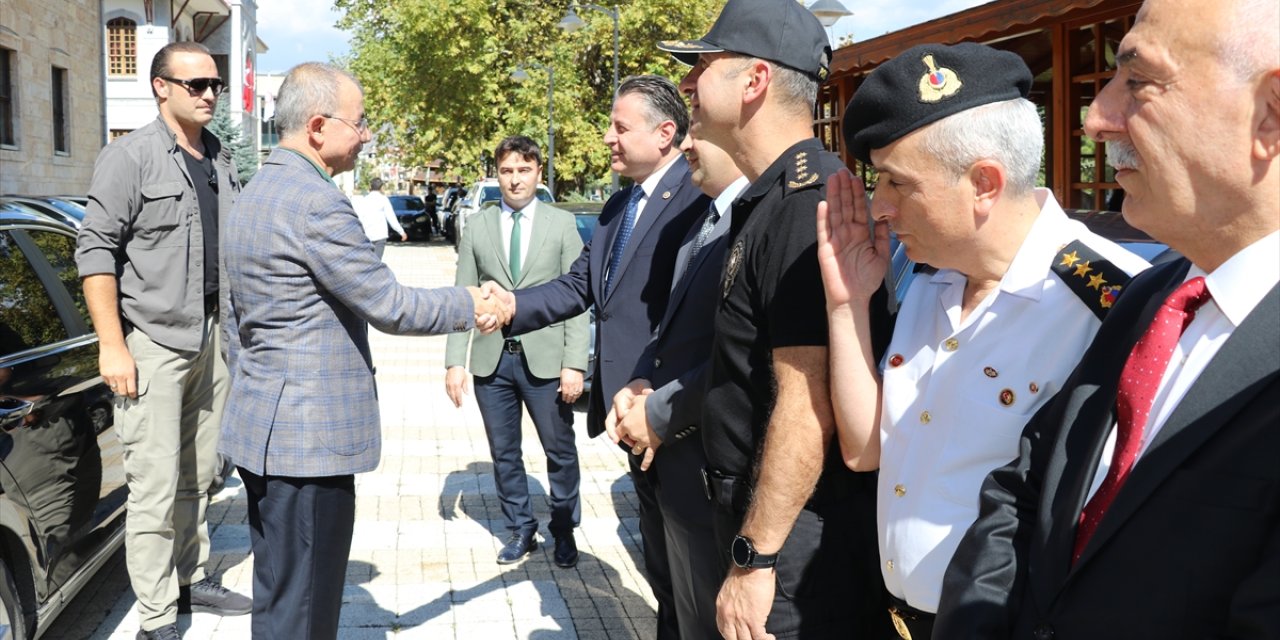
148	258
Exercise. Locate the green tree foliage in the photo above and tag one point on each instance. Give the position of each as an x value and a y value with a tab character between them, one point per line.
242	150
438	71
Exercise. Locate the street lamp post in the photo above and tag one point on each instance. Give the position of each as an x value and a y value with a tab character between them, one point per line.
572	22
520	75
829	12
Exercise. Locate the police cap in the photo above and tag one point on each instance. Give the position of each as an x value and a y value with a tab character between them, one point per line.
927	83
780	31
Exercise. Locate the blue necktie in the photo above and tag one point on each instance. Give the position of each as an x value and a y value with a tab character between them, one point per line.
624	234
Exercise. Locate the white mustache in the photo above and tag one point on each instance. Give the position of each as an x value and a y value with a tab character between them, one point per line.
1122	155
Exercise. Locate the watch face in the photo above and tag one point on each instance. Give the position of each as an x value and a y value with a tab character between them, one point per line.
741	551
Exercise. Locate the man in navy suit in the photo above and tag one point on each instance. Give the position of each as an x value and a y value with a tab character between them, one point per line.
628	277
662	406
1146	497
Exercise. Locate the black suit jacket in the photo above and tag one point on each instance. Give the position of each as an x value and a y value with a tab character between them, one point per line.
675	363
1190	548
627	317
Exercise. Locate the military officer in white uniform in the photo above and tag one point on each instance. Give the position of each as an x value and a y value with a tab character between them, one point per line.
982	342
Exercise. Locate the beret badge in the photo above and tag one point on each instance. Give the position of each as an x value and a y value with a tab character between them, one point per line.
937	84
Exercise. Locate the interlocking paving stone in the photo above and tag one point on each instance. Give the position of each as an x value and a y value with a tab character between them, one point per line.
428	526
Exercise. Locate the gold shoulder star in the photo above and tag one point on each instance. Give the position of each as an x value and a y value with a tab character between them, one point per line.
1096	281
1070	259
1083	268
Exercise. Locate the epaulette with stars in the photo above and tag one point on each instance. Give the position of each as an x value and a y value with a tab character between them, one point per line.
1090	276
799	175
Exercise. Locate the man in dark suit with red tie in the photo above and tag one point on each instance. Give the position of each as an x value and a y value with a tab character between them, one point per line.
1146	497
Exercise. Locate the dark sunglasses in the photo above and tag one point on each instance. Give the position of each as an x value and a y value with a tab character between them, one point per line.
197	86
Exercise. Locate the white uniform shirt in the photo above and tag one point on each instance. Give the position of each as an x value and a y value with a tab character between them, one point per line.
957	395
1237	287
375	214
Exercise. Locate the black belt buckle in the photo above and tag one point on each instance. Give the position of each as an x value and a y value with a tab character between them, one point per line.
706	483
512	346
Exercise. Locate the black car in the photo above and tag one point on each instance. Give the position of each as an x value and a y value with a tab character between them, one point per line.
62	483
586	215
412	214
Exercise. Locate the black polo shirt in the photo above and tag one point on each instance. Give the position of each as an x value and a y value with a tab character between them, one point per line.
770	296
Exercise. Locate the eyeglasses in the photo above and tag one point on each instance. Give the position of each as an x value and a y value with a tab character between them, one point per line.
359	125
197	86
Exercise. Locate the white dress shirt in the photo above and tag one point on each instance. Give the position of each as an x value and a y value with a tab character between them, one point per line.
375	213
526	231
956	395
1236	287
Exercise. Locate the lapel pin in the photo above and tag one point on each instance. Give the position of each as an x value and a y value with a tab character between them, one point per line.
990	372
666	195
896	360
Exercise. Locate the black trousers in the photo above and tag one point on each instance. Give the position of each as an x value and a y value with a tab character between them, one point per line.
657	567
828	574
500	396
300	531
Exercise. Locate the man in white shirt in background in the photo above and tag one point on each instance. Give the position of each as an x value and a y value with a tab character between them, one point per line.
376	215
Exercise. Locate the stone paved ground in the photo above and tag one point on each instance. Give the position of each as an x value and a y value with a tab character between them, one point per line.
428	526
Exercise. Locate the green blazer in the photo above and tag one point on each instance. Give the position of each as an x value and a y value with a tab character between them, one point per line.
482	256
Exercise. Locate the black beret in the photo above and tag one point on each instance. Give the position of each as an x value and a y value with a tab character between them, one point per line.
927	83
780	31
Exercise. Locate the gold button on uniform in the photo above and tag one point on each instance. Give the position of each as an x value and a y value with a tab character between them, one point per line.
951	344
899	490
925	417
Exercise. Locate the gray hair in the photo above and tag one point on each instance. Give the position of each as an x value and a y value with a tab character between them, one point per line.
1008	132
309	89
794	89
1251	43
661	100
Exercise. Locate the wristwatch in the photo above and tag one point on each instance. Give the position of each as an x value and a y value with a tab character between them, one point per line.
746	557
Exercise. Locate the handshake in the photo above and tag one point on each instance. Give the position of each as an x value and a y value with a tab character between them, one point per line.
494	305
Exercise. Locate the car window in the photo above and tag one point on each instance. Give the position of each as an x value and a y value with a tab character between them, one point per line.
60	252
411	204
490	193
586	225
544	194
28	317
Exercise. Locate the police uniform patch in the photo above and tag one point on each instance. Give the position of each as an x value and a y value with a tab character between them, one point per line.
731	267
801	176
1090	276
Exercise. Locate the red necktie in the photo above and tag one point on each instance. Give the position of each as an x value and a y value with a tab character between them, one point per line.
1136	392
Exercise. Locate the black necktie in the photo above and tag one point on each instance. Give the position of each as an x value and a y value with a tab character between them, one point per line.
708	224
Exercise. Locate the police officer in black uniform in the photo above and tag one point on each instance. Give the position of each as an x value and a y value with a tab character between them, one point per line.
795	527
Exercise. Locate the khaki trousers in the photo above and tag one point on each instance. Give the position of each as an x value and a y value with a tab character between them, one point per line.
170	440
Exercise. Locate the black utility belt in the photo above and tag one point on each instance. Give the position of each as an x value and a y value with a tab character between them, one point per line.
734	492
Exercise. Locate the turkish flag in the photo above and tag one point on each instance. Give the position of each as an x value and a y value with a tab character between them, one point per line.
248	84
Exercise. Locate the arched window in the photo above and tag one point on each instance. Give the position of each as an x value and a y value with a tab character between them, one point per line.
122	47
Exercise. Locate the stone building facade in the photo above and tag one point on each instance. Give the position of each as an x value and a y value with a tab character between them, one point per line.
51	95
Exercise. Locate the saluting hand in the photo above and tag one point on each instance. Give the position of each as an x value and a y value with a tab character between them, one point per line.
853	260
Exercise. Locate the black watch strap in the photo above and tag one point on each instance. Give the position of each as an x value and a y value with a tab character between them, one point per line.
745	555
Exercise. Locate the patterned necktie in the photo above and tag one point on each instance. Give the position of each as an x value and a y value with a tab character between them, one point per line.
708	224
513	253
1136	392
624	234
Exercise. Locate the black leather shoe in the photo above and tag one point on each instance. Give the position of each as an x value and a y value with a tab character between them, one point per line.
167	632
209	596
566	551
518	546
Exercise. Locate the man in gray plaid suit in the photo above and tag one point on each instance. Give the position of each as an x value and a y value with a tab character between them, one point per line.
302	414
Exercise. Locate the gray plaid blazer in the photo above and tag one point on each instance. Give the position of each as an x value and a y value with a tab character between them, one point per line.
303	281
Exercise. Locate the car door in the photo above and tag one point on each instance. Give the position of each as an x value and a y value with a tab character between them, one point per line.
62	488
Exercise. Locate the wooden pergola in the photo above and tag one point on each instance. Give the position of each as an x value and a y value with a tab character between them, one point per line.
1070	47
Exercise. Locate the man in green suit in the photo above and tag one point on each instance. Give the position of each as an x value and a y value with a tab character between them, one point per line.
521	243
